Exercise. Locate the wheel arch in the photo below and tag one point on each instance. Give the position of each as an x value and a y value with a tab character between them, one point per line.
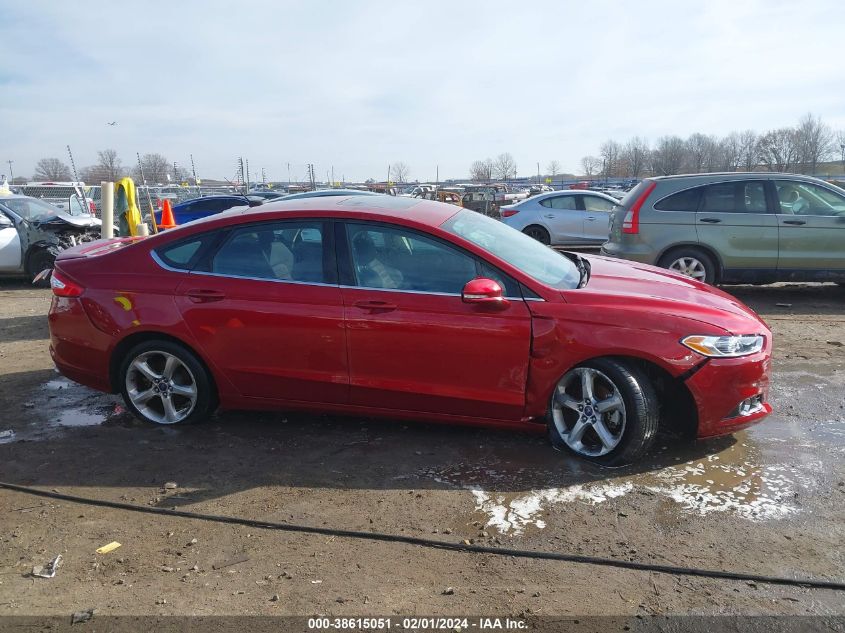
720	267
678	411
123	346
34	249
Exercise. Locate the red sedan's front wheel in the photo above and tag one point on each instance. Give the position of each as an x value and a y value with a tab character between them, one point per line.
605	411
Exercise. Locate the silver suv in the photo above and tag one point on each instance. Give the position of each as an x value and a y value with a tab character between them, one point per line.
734	227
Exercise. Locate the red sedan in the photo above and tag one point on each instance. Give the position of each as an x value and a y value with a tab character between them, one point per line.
405	308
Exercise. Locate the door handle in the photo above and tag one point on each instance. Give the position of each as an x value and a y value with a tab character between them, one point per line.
383	306
590	218
795	222
200	295
549	216
710	220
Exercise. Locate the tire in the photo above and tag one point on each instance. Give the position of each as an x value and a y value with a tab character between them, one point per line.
692	262
40	260
628	429
164	383
538	233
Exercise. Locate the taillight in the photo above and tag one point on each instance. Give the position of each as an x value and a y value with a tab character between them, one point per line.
64	287
506	213
92	208
631	223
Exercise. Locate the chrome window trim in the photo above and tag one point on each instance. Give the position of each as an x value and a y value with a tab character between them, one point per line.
277	281
157	259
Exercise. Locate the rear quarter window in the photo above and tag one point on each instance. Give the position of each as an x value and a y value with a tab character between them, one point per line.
183	255
687	200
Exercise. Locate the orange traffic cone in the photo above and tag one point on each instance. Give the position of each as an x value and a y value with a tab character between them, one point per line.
167	219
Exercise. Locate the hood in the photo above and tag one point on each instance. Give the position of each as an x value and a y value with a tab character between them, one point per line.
649	288
62	217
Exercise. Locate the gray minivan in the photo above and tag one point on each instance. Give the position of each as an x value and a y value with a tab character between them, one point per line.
734	227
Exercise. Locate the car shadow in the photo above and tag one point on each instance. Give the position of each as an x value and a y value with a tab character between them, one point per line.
24	328
240	451
792	299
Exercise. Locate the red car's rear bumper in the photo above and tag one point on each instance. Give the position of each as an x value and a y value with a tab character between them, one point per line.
722	384
79	350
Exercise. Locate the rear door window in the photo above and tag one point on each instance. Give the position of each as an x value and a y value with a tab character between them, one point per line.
735	197
560	202
285	251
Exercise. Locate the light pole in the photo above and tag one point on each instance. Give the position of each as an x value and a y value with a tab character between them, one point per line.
841	147
12	174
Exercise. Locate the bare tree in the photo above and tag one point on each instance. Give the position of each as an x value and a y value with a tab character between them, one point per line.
778	149
701	153
399	172
481	170
108	168
51	169
156	168
609	153
590	164
553	168
668	156
728	152
748	151
634	156
504	167
815	140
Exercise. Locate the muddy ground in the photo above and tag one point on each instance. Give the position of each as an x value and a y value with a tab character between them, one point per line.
770	500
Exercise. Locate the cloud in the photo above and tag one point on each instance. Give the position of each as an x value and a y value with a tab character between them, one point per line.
359	85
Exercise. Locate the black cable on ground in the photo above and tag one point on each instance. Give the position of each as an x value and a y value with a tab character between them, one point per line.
426	542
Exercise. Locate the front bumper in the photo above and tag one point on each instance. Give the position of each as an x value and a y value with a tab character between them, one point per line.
721	384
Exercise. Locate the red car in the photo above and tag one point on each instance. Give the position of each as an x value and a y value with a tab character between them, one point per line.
405	308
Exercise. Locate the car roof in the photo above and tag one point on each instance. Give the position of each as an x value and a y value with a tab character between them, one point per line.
736	175
410	211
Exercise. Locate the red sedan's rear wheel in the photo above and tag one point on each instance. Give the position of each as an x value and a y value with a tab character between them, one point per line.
605	411
164	383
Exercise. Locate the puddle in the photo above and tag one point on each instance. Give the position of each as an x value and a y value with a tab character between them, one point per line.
767	473
78	417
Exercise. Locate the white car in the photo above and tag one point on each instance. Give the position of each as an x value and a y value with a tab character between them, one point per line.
563	218
33	232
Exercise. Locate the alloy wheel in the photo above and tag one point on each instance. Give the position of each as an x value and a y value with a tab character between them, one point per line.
689	266
161	387
588	412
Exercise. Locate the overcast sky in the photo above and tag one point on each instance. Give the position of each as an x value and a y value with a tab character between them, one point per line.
359	85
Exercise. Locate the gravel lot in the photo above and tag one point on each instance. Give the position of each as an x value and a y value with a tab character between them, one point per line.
770	500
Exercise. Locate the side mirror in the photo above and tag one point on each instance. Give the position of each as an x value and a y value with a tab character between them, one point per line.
483	291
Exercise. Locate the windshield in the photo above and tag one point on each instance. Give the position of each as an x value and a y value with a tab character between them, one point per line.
30	208
520	251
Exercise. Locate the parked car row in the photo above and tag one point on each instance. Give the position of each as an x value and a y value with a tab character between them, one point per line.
717	228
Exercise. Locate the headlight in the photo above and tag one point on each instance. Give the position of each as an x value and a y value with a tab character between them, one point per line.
724	346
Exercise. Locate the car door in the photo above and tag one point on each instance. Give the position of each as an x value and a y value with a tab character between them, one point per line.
10	245
596	217
811	222
265	306
736	220
414	345
563	218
